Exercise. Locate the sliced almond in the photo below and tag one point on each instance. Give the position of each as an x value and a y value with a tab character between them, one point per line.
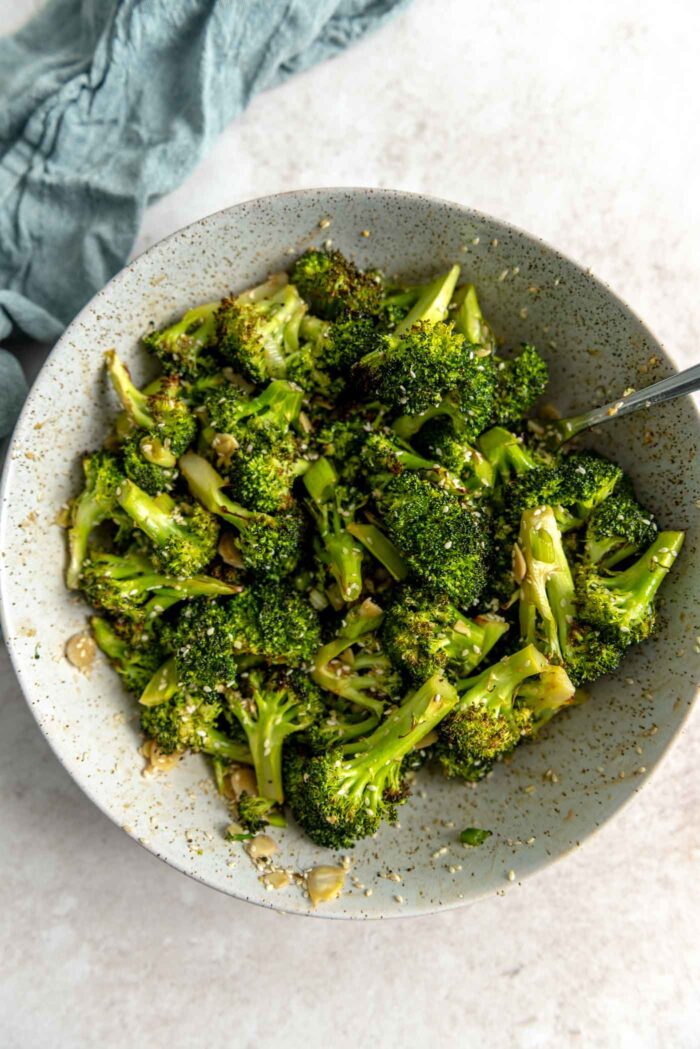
242	780
519	564
261	847
228	551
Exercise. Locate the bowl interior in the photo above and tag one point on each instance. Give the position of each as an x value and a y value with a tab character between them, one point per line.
551	795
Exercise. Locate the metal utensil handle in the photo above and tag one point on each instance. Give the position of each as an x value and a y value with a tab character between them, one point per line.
687	381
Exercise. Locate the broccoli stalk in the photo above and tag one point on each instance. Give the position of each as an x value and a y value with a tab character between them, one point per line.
547	594
432	303
381	548
486	723
184	540
470	321
269	715
545	695
267	544
343	795
129	586
621	604
506	453
95	504
362	676
168	419
340	552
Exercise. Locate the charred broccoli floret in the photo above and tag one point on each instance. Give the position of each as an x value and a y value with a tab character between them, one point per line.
257	334
333	285
184	722
186	347
424	633
520	381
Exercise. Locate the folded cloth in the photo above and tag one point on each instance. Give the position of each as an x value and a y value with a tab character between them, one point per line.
105	105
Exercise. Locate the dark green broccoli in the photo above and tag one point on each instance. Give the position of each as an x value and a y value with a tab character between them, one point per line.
268	545
229	411
444	545
342	440
96	503
336	346
185	722
617	529
135	658
586	480
138	454
185	347
258	334
333	285
439	440
164	415
332	507
270	711
486	723
353	665
424	633
621	604
183	536
470	405
128	586
520	381
289	625
343	795
256	812
209	637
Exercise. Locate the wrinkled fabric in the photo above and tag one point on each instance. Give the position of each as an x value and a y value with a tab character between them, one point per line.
106	105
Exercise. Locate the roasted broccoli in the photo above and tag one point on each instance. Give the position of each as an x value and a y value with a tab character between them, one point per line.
332	507
333	285
617	529
184	722
343	795
96	503
186	347
183	536
257	335
134	653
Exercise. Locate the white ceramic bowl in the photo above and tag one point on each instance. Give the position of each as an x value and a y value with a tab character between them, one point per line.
596	348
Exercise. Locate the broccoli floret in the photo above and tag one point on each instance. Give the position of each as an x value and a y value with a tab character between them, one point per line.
424	633
268	545
469	406
185	347
520	381
95	504
343	795
548	603
137	459
486	723
444	544
262	473
336	346
289	625
185	722
507	454
343	440
366	677
183	537
617	529
332	507
257	335
135	658
332	285
256	812
272	412
209	637
621	604
269	712
586	480
165	415
439	440
129	586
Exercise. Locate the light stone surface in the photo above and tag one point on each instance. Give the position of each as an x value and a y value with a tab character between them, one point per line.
579	123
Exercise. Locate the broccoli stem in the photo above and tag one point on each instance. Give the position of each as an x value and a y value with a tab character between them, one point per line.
87	514
346	679
548	587
469	320
206	485
382	548
162	686
155	522
433	302
505	452
404	727
342	554
113	646
638	584
496	686
218	744
134	402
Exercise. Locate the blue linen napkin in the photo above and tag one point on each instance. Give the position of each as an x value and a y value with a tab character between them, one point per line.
105	105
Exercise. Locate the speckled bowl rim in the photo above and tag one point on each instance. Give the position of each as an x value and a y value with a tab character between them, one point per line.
271	903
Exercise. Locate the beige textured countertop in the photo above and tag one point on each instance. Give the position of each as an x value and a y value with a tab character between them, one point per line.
579	123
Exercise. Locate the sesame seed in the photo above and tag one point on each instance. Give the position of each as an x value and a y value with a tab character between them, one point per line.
399	899
511	875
